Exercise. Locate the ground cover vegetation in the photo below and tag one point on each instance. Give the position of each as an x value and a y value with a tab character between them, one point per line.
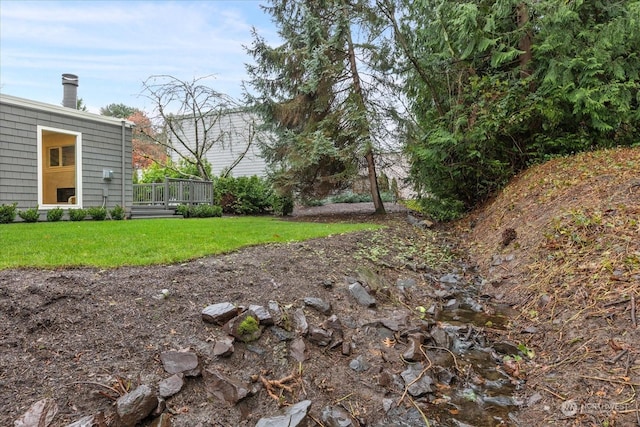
110	244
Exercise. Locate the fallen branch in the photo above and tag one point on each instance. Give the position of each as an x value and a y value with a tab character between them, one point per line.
634	322
273	385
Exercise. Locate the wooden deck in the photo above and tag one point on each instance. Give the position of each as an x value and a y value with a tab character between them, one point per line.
160	200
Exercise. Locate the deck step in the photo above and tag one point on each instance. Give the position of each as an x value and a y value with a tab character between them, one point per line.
147	212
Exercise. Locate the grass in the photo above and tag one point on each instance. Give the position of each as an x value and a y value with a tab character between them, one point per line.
147	242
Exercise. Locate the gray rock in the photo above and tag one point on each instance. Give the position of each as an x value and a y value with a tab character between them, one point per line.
451	279
506	347
88	421
282	334
346	348
185	362
413	353
263	314
219	313
359	364
302	327
417	382
292	417
135	406
533	399
224	388
223	347
360	294
170	386
396	321
40	414
319	336
318	304
406	283
297	350
387	404
335	416
274	306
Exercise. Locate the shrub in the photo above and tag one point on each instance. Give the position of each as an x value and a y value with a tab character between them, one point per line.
207	211
54	215
184	210
117	213
7	213
243	195
282	205
30	215
77	214
98	213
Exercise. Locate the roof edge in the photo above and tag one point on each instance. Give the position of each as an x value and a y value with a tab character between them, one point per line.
28	103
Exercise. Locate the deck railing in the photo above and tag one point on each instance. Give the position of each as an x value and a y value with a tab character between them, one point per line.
173	192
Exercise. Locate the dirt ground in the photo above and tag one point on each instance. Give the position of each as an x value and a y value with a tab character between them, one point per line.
566	278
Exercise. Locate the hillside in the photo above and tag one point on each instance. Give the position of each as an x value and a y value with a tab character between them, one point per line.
561	245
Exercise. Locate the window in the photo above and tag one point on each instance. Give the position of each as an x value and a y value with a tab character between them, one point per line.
59	167
62	156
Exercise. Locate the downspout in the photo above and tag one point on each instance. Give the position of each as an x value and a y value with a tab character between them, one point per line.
123	164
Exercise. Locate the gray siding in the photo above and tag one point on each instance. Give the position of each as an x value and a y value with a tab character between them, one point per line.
236	131
101	149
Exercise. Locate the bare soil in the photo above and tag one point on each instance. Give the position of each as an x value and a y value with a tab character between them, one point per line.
559	248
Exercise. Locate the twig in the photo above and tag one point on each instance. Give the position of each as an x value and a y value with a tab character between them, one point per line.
610	380
619	356
271	385
634	322
554	394
406	389
424	417
99	385
616	302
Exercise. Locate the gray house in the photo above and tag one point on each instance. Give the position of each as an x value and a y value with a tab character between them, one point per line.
56	156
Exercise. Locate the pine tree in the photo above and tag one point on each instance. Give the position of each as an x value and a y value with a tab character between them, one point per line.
313	98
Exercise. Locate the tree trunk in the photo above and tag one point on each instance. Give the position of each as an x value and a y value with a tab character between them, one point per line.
369	156
525	41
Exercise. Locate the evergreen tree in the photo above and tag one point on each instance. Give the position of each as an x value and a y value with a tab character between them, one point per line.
312	96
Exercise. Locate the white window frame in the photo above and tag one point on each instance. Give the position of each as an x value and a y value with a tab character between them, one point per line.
78	168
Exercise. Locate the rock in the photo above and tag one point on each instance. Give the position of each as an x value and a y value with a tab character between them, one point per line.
418	383
327	283
135	406
302	327
533	399
282	334
292	417
362	297
297	349
40	414
244	327
227	389
185	362
506	347
406	283
335	416
219	313
440	337
359	364
164	420
274	306
387	404
170	386
346	348
88	421
223	347
319	336
451	279
264	317
413	353
318	304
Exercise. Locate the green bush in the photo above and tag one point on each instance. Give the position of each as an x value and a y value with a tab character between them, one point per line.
199	211
243	195
117	213
282	205
77	214
7	213
55	214
98	213
30	215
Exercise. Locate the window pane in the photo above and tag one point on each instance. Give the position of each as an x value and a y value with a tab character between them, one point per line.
54	157
69	155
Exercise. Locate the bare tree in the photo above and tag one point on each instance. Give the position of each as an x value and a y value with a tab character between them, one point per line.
190	115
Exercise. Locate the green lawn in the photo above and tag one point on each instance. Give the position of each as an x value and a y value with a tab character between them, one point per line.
146	242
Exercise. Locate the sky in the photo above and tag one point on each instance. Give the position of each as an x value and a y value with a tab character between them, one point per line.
114	46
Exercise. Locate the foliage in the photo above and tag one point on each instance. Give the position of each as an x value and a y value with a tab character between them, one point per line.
282	205
55	214
150	241
192	119
30	215
77	214
145	150
199	211
495	85
243	195
7	213
326	119
97	213
248	326
117	213
119	111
